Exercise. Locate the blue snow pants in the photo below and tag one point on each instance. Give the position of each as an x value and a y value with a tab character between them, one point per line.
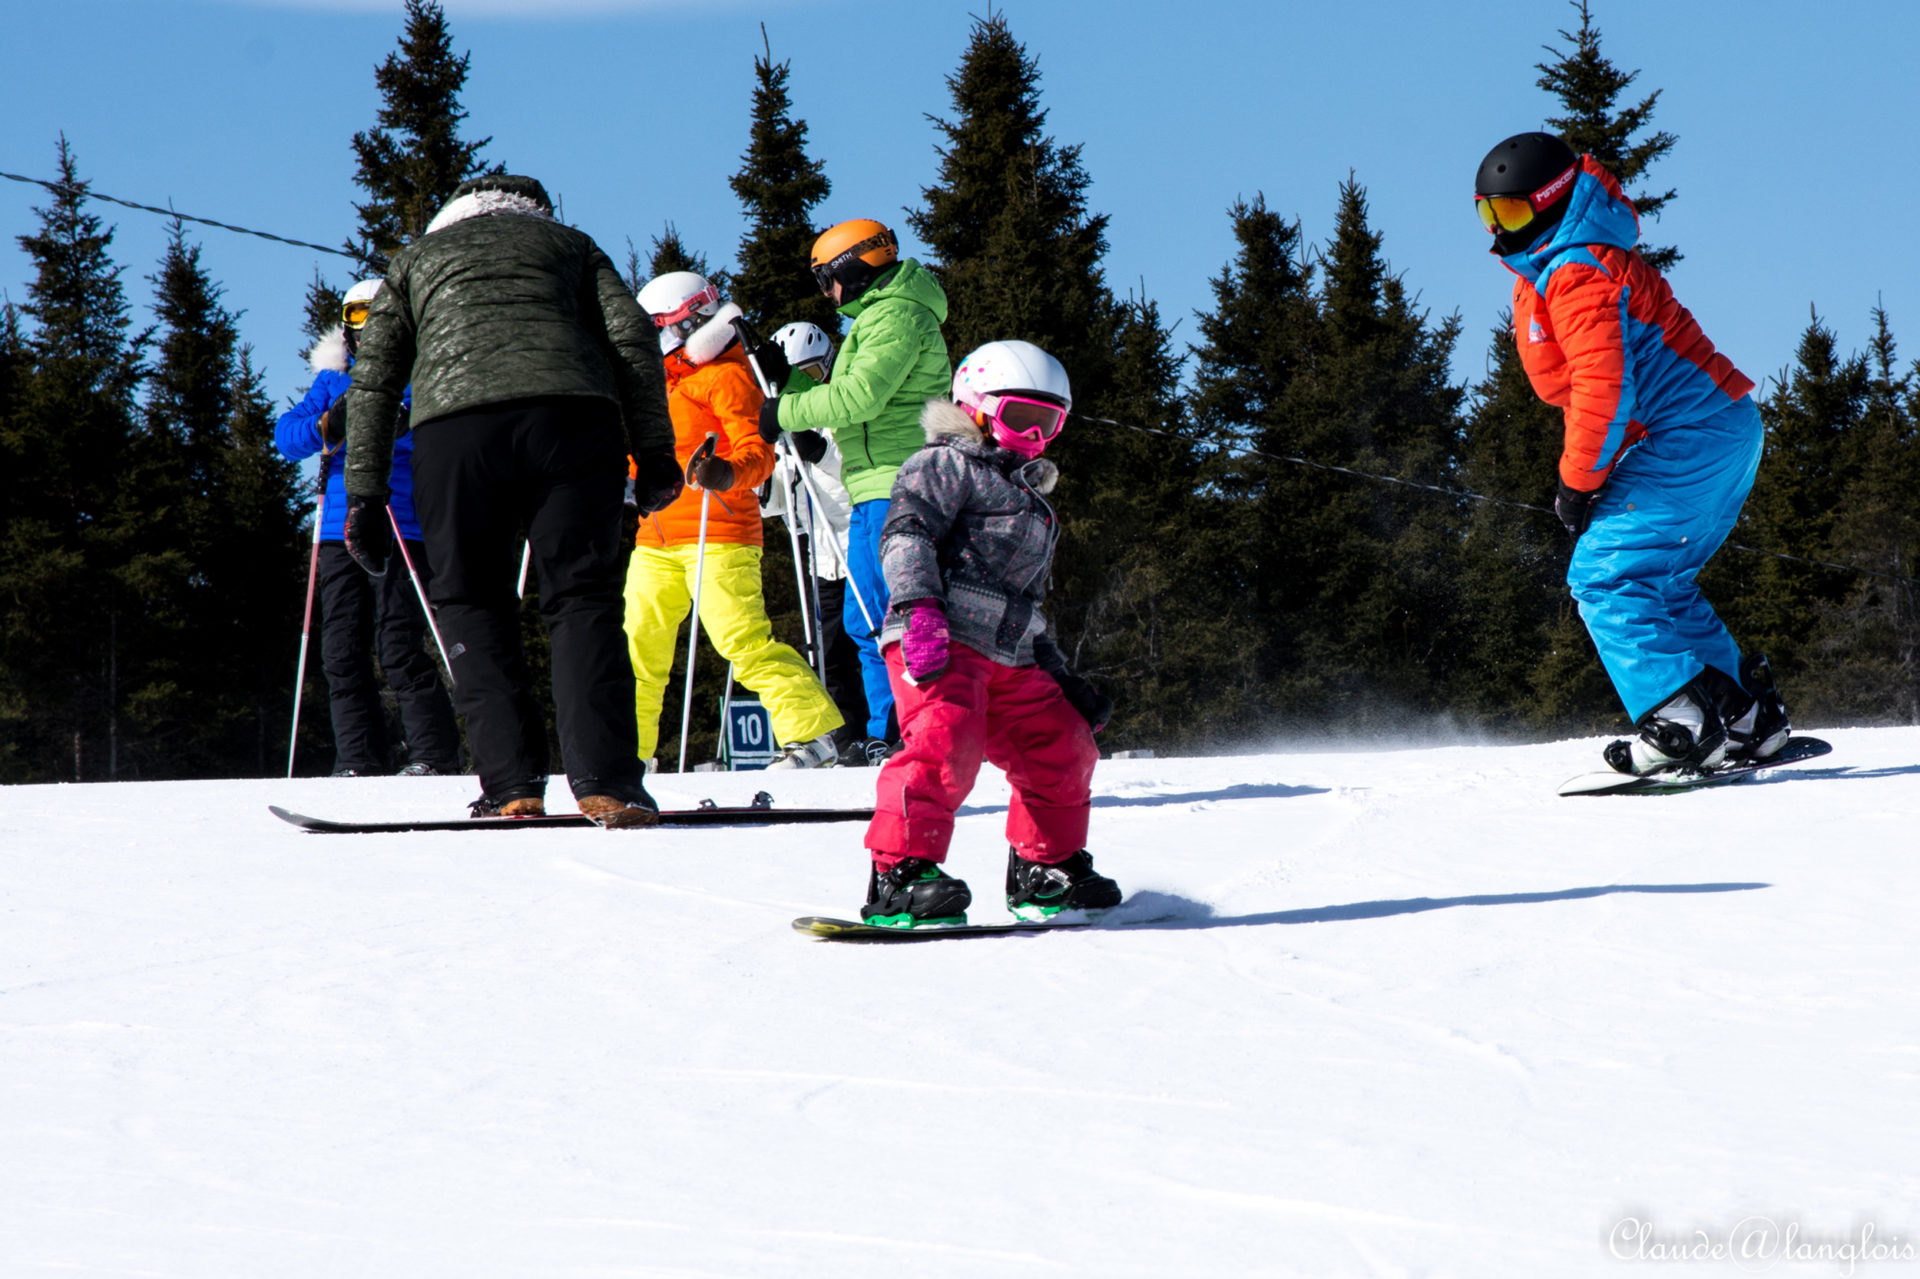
1668	506
868	586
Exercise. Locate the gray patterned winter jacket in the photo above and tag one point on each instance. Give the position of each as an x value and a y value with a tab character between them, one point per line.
970	526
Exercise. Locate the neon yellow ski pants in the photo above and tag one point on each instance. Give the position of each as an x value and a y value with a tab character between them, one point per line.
733	622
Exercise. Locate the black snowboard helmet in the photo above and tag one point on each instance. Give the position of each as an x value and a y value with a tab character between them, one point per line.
1534	169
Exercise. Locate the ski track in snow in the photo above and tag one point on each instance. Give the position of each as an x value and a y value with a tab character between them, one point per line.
1366	1012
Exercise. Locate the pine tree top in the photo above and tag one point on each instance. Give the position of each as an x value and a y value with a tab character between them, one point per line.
779	185
1588	85
75	298
410	163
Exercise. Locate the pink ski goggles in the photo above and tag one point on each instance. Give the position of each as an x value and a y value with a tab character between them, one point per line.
1025	426
688	310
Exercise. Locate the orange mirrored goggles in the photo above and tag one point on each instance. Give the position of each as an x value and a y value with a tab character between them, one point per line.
1516	212
354	314
1504	212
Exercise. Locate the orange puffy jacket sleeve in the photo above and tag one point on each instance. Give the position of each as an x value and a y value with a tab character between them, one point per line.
721	398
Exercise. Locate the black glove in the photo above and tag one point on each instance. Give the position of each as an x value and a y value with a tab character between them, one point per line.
333	423
773	365
715	474
1094	706
657	482
770	420
1574	507
369	535
810	445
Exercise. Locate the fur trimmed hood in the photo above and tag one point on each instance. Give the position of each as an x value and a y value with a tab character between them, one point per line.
945	420
329	354
498	193
708	342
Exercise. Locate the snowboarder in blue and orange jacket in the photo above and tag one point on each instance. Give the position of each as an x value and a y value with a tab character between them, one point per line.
1662	443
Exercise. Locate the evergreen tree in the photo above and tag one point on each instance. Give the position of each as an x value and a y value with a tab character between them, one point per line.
1019	255
1588	85
1865	664
1256	341
220	565
72	521
1352	580
1017	251
779	186
411	161
669	252
1775	605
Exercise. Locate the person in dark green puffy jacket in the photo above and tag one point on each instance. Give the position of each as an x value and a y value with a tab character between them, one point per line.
892	361
535	375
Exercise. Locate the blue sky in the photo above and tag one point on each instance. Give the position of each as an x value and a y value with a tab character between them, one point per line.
1794	161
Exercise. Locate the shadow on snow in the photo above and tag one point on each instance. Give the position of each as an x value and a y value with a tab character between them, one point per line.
1169	911
1244	790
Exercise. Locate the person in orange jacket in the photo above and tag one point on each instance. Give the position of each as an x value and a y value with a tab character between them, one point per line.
1661	447
711	390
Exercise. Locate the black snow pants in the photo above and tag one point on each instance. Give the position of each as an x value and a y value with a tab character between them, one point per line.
358	613
552	471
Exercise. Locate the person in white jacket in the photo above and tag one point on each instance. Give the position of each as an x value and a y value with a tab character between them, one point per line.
825	511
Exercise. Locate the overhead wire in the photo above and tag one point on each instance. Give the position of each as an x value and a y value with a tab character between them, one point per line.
1248	450
87	192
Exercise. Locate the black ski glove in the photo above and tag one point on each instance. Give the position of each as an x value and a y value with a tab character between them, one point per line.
369	535
773	365
656	482
1094	706
333	423
810	445
1574	507
770	420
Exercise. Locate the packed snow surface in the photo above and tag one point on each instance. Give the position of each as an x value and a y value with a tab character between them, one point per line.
1398	1012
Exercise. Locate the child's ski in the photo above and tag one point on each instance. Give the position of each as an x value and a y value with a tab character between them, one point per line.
708	814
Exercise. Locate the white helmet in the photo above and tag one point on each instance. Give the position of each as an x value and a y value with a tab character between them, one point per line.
679	302
1010	368
807	347
359	299
1017	391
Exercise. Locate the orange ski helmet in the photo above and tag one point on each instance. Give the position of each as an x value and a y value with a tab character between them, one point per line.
853	254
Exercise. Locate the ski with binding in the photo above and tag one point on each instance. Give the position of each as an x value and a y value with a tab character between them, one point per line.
708	814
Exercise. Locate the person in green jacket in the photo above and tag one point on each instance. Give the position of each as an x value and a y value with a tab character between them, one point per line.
892	361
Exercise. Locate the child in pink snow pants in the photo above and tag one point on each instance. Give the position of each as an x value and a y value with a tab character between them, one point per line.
966	550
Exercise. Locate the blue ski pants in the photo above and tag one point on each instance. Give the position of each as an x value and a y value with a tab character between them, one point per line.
1668	506
867	594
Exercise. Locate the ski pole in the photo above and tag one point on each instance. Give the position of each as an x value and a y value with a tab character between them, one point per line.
808	623
726	729
840	558
699	576
306	618
526	562
421	591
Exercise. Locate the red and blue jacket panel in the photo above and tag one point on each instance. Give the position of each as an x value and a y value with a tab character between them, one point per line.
1603	338
298	436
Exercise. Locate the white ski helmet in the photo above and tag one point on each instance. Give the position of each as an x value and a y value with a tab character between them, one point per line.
994	379
679	302
358	301
807	348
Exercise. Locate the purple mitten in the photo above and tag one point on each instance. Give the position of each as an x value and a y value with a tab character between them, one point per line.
924	647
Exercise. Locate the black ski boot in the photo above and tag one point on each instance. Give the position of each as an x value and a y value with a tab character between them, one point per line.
914	893
1041	890
1762	729
1686	732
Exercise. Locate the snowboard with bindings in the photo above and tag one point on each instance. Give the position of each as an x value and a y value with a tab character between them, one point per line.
1798	750
852	930
759	813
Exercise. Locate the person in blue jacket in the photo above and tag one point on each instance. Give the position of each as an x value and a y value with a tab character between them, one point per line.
357	610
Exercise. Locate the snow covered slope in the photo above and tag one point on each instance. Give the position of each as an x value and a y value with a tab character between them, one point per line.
1412	1014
